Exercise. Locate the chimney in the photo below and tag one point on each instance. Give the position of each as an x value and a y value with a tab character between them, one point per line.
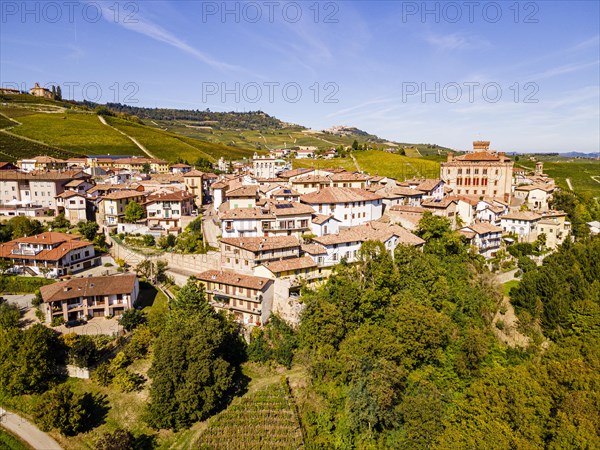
450	156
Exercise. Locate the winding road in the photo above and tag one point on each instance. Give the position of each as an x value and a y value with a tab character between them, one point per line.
27	431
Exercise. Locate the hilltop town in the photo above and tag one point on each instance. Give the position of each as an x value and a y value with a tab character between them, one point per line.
266	230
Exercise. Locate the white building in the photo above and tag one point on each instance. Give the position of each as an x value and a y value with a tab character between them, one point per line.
350	206
521	223
268	166
485	237
346	243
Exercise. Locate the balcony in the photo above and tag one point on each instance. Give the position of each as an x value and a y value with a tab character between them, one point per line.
237	295
25	251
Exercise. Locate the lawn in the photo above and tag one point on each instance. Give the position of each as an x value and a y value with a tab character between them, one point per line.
9	441
75	131
506	287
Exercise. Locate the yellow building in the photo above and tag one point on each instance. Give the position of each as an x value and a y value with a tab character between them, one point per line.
482	172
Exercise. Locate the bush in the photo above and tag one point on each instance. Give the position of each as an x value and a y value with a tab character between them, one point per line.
140	343
57	321
64	410
9	315
128	381
117	440
149	240
103	375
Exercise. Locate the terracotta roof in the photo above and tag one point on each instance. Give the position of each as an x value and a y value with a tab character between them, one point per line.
314	249
180	166
193	173
113	187
482	156
554	213
256	244
88	286
408	209
48	160
531	187
283	191
234	279
219	184
311	179
52	175
169	196
74	183
285	265
348	176
66	243
294	172
398	191
268	209
127	193
522	215
428	184
483	228
377	231
339	195
322	218
68	194
435	203
244	191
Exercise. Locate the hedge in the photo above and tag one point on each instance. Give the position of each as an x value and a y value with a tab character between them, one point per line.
22	284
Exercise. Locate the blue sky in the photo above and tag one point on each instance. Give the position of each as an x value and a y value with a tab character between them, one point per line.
524	75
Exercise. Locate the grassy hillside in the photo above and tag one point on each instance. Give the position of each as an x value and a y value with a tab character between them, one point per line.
13	148
169	146
75	131
578	171
375	162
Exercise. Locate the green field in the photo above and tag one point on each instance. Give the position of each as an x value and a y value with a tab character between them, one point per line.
376	162
579	171
78	132
8	441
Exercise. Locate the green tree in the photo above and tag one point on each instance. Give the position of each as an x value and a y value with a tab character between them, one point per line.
134	212
60	221
195	364
64	410
29	359
146	168
9	315
131	319
24	226
88	229
58	93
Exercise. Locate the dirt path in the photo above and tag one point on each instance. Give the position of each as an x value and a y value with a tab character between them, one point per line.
134	140
568	180
27	431
355	162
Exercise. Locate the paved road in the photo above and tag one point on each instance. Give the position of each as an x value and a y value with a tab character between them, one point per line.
23	301
27	431
211	229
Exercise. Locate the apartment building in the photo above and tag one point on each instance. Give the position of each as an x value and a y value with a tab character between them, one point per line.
111	209
348	205
247	297
75	206
165	209
269	218
35	188
485	237
242	254
89	297
50	253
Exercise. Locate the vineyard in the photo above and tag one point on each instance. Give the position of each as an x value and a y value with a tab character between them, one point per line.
263	420
13	148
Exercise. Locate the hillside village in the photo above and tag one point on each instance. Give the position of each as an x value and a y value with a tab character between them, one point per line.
266	230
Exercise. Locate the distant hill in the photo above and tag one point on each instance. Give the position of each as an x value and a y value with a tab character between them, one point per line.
61	128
